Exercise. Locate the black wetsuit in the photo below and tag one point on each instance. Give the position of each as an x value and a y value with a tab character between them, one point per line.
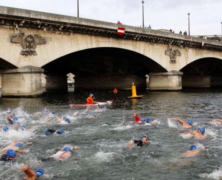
138	143
52	131
4	157
10	121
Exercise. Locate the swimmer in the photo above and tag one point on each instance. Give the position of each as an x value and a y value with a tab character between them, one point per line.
148	121
11	118
217	120
192	152
90	115
16	145
5	128
43	111
199	134
9	111
24	128
137	117
185	124
60	120
65	153
52	131
17	125
143	140
9	155
31	175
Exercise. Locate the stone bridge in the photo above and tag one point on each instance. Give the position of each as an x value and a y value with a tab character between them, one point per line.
33	43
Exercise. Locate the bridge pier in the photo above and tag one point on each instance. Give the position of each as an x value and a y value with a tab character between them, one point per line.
56	82
25	81
109	82
165	81
196	81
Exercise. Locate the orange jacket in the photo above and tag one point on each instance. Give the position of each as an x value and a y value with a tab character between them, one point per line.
89	100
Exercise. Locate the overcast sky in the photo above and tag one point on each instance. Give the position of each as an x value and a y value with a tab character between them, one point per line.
206	15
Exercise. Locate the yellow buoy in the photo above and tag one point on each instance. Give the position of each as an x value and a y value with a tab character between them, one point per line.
134	95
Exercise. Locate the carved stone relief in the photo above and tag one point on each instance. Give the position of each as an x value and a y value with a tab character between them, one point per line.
172	54
28	42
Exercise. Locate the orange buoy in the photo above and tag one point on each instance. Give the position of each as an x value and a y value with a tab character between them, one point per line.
115	90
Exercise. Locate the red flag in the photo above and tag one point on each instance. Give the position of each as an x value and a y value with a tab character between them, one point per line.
119	22
202	43
121	31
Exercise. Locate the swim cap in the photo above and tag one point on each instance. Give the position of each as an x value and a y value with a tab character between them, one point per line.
39	172
60	131
46	131
5	128
17	123
15	119
11	153
190	122
148	120
144	135
67	149
67	120
193	147
23	128
19	144
201	129
91	95
9	110
43	110
142	119
53	111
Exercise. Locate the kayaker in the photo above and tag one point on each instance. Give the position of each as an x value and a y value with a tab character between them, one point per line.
90	99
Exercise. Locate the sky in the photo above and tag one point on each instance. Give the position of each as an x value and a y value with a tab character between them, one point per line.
205	15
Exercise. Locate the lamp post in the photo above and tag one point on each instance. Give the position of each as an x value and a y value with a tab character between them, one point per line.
78	8
143	13
189	24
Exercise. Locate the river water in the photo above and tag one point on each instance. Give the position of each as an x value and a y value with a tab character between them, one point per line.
103	154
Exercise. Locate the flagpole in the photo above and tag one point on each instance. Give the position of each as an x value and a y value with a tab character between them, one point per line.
78	8
143	13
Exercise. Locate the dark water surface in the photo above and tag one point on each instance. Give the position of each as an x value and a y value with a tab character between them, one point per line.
103	154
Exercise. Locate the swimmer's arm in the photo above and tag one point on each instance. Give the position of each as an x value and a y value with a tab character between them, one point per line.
20	151
59	119
190	132
9	115
217	120
37	113
130	144
177	119
153	123
30	173
51	118
76	147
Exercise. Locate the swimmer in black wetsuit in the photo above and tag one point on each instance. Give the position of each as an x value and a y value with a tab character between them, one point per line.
143	140
52	131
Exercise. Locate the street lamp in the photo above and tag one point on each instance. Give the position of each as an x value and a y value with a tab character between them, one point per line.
143	13
189	24
78	8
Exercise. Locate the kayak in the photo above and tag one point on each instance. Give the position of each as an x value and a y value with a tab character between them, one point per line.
94	104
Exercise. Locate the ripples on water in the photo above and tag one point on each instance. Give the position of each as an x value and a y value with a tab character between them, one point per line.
103	154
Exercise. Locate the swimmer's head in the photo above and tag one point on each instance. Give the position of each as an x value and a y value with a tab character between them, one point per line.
67	149
5	128
193	147
19	144
91	95
17	123
23	128
143	136
15	119
11	153
60	131
67	120
142	119
148	120
39	172
43	110
46	131
190	122
201	129
53	111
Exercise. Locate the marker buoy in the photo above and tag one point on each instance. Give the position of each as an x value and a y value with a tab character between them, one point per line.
134	95
115	90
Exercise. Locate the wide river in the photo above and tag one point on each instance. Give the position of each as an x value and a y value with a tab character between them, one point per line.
103	154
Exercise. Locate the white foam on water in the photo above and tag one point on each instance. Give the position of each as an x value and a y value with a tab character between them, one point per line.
104	156
172	124
210	132
186	136
216	174
200	146
14	134
121	127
